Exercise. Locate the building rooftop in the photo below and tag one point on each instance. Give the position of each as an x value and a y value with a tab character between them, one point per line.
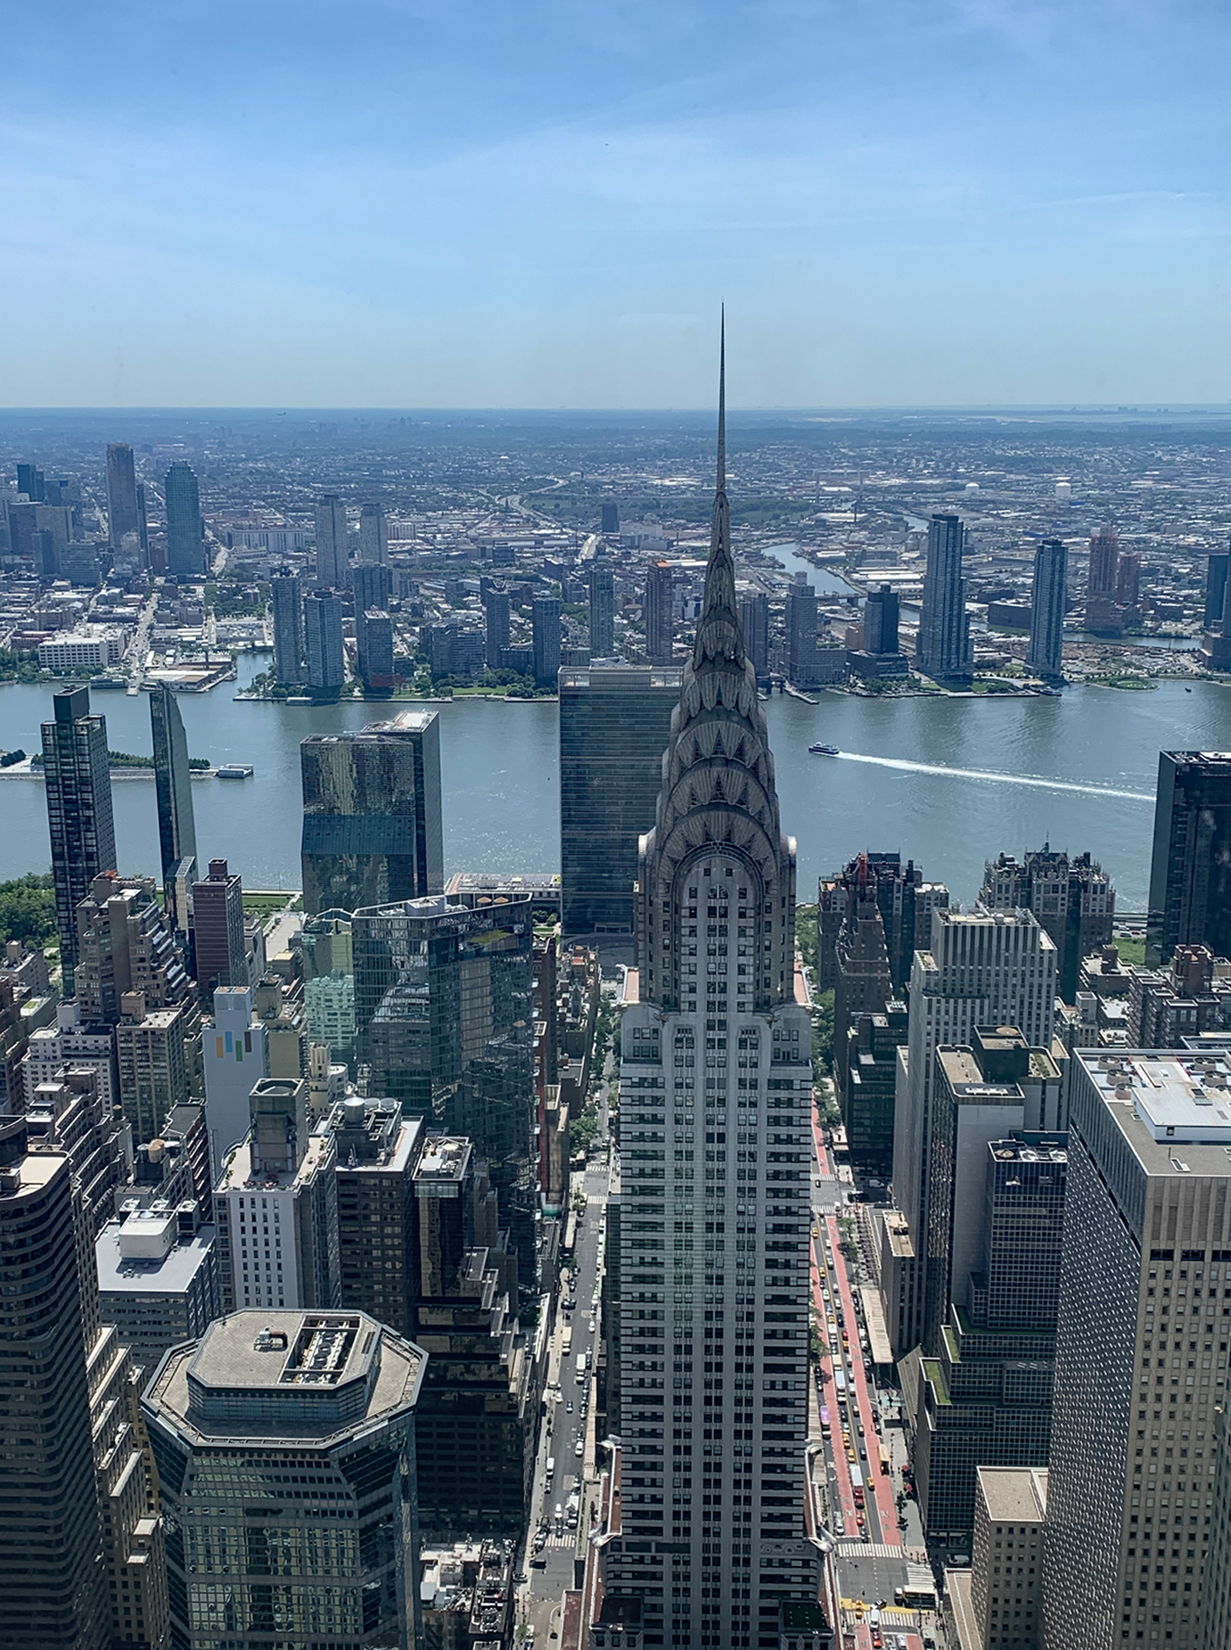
962	1073
1163	1099
445	1159
1014	1495
168	1273
237	1172
264	1375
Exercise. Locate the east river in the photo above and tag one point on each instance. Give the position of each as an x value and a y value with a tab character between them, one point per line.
947	782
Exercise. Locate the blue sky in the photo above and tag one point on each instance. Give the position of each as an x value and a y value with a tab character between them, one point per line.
543	202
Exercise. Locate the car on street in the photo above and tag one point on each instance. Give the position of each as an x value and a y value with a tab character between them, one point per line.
568	1408
579	1448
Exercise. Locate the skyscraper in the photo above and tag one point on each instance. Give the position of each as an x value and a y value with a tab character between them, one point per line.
1141	1350
1048	600
286	1450
332	552
880	621
443	1016
602	611
659	611
287	595
122	513
1190	871
982	968
906	903
610	517
546	631
615	721
1216	588
1104	610
1071	896
31	482
373	536
374	649
52	1583
78	777
218	930
324	651
372	831
944	648
177	832
801	634
185	528
496	615
373	586
754	618
718	1047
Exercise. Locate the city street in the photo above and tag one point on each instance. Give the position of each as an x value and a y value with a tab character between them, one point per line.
871	1555
551	1570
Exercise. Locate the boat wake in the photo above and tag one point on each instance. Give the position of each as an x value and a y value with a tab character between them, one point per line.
996	778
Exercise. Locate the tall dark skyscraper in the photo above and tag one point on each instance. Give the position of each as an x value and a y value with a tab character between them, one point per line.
496	613
372	830
31	482
1048	599
880	621
602	611
546	622
754	616
801	634
444	1018
944	649
1071	896
610	517
324	651
185	528
53	1592
615	722
716	875
218	930
332	553
1216	588
1190	873
122	513
287	594
78	777
177	832
659	611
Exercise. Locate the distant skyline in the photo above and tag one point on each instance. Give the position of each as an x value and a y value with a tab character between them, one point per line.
436	204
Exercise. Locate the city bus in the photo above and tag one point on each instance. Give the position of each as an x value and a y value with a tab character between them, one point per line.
839	1379
566	1341
884	1460
824	1421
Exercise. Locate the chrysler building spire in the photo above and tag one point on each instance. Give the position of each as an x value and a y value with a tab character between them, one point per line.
714	1068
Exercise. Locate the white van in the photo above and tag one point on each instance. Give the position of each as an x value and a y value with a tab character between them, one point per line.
551	1468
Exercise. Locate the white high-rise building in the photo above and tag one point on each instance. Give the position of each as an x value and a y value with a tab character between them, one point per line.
236	1058
984	968
708	1225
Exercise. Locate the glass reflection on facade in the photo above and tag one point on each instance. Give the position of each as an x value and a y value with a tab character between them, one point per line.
286	1454
371	805
614	728
444	1017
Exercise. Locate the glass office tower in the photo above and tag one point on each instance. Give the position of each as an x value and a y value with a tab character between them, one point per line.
371	803
614	726
79	817
443	1015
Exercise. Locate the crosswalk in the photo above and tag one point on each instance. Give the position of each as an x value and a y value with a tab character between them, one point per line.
869	1549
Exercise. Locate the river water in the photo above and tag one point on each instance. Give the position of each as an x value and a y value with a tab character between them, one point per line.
948	782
